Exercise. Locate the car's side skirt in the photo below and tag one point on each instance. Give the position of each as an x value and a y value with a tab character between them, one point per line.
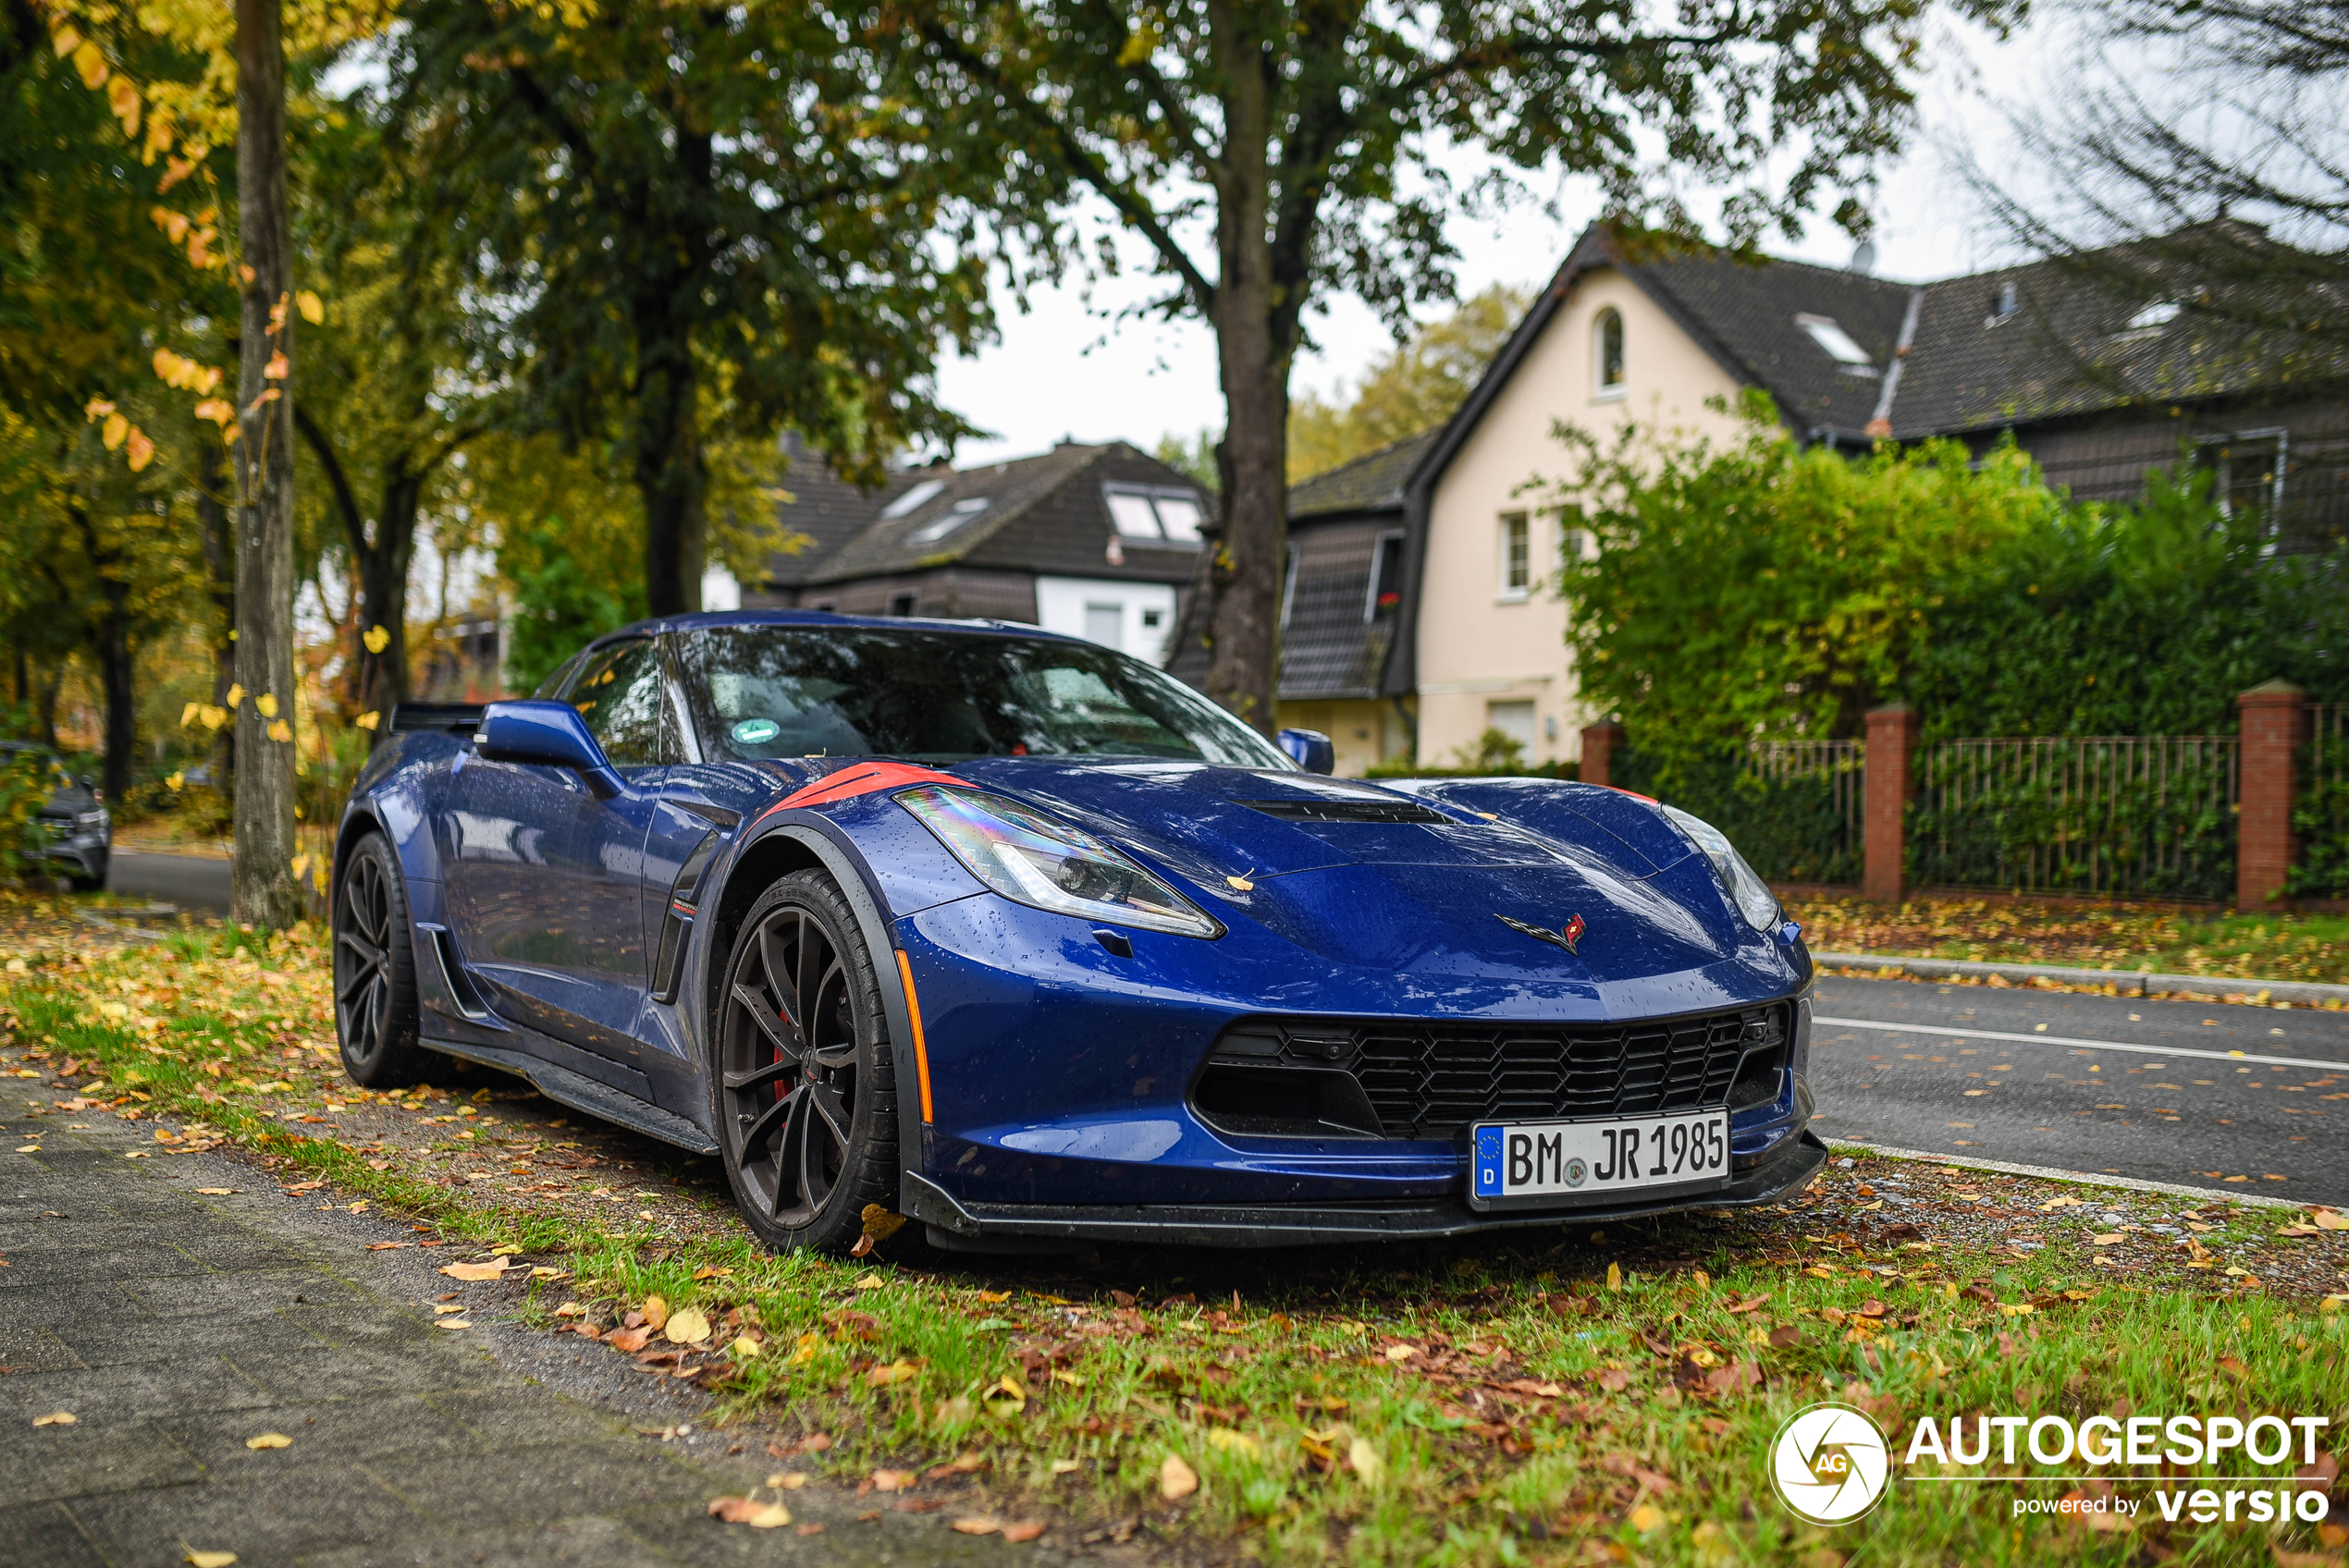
581	1093
1305	1225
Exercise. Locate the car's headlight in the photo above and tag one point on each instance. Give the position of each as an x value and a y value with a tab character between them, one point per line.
91	820
1749	892
1027	856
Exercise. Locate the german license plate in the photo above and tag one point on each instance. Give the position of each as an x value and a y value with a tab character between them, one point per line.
1592	1161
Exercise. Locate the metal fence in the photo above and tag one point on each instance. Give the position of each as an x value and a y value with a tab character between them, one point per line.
2321	817
2119	814
1793	808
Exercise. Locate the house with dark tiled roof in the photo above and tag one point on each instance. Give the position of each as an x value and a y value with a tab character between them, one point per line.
1342	606
2098	386
1100	542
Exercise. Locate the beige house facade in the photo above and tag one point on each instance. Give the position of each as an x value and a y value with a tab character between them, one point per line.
1491	631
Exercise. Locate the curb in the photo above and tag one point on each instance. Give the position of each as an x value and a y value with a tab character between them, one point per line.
2129	981
2082	1178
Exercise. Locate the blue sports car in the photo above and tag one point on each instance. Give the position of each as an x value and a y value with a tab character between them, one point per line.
1024	940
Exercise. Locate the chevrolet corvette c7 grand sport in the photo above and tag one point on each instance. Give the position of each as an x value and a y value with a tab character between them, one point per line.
1020	938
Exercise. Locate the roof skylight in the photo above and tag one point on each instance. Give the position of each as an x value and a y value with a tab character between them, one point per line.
1834	339
955	516
2154	317
912	499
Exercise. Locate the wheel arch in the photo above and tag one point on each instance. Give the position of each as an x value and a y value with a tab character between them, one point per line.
806	845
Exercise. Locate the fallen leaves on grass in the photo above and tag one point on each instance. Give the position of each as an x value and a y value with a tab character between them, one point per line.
686	1328
1177	1480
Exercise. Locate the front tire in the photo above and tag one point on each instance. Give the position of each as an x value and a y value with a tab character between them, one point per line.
806	1085
376	1012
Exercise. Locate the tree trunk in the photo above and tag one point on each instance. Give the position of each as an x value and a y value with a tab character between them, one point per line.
220	564
265	891
1246	575
383	680
669	475
110	639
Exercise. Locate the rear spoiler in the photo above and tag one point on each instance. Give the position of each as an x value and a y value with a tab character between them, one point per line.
464	717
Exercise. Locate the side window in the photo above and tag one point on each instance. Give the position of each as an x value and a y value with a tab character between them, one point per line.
617	690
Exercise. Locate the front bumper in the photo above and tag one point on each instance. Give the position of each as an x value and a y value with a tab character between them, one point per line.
82	854
955	1225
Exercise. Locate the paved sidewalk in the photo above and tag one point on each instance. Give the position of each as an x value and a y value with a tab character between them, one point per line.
175	1327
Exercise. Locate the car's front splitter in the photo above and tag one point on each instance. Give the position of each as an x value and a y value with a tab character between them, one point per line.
974	1226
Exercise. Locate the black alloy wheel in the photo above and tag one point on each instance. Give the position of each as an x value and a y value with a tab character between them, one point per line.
374	969
806	1103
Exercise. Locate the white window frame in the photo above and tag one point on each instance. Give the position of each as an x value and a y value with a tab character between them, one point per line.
1289	585
1152	495
1378	553
2281	436
1521	524
1601	391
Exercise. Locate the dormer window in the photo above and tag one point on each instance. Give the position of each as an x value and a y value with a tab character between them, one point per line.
2152	318
955	517
1154	514
1837	343
1606	353
2003	304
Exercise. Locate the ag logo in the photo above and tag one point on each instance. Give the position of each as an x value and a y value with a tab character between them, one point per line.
1829	1463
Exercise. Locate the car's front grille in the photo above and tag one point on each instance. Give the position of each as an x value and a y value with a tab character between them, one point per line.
1429	1080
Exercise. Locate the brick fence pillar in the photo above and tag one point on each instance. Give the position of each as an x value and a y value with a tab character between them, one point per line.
1600	742
2274	716
1892	744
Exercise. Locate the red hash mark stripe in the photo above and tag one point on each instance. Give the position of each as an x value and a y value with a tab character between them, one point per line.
863	779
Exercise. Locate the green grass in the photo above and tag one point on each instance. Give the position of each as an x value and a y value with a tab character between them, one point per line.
1316	1437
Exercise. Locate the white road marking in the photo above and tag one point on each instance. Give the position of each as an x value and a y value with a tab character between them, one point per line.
2067	1040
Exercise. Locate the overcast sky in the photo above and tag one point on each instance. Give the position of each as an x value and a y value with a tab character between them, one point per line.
1064	369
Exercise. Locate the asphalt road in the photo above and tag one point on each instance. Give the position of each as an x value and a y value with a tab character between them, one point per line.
189	881
2166	1091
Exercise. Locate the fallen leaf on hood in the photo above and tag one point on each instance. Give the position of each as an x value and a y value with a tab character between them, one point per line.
1177	1480
269	1439
749	1510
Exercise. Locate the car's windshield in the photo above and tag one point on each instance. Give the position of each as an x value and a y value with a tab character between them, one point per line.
943	696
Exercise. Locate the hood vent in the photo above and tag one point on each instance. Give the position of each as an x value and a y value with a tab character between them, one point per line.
1346	811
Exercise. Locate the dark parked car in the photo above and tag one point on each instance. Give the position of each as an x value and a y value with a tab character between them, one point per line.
72	835
1024	939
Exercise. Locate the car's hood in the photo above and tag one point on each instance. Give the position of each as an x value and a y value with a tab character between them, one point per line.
1376	877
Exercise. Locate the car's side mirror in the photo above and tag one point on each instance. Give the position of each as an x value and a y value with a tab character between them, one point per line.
1310	748
551	734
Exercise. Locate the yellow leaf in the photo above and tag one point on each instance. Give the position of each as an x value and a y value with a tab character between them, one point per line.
475	1271
744	1347
1614	1276
143	451
177	780
213	716
686	1328
269	1439
64	41
870	1283
1177	1480
173	223
749	1510
1365	1462
91	63
211	1559
188	715
278	367
1229	1442
218	409
376	639
300	864
1646	1517
656	1313
314	309
266	704
97	408
123	99
236	695
280	730
368	721
54	1418
115	431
